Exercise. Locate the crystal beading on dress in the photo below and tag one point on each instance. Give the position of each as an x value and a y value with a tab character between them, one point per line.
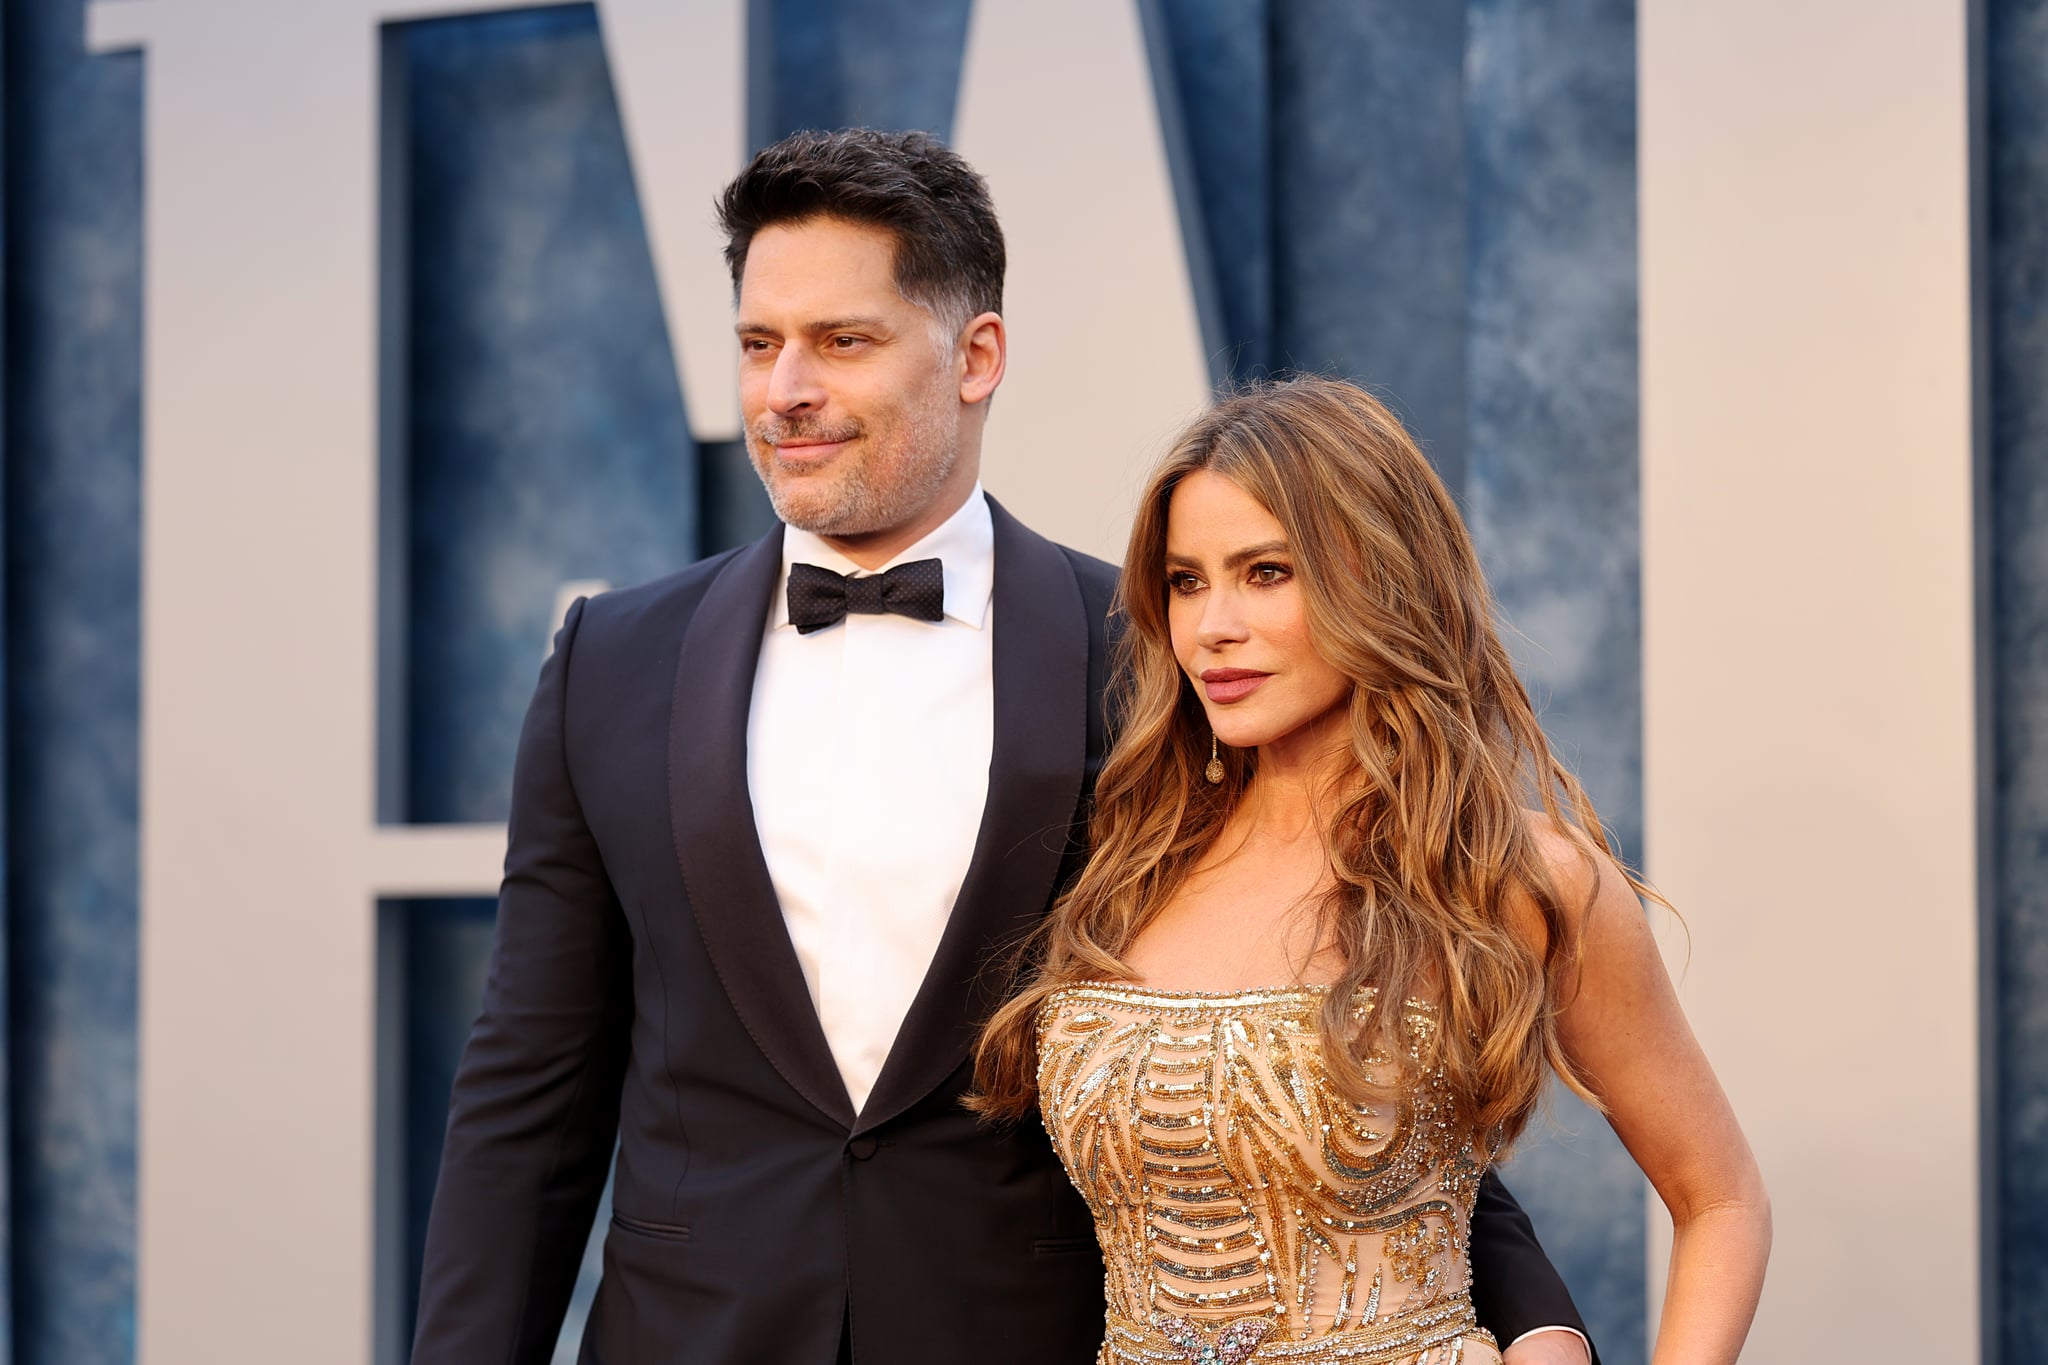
1247	1210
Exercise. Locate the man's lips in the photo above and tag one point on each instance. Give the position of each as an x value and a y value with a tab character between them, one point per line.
1226	685
808	450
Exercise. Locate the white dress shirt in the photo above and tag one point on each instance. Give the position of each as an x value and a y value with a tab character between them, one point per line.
867	759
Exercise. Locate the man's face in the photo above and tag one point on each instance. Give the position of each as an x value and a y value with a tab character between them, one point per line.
852	406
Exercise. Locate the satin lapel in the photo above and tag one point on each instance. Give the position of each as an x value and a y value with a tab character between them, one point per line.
712	817
1034	784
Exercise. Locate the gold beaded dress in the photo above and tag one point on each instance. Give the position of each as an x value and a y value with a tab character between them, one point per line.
1247	1211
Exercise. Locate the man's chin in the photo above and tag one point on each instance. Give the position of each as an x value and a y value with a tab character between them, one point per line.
806	510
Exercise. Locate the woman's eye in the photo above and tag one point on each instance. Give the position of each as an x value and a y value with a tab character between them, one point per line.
1268	574
1183	583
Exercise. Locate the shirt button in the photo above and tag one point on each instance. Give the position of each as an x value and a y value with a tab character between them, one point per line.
862	1147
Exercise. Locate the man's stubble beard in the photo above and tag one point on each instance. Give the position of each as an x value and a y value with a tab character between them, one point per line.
879	493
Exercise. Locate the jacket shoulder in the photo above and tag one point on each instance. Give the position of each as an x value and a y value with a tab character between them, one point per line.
1097	578
626	632
659	604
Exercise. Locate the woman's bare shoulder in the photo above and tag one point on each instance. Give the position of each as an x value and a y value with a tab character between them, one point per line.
1582	874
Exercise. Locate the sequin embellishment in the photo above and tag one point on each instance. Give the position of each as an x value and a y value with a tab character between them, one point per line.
1232	1344
1247	1211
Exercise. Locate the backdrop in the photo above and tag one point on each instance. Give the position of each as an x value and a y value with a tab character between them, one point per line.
1438	200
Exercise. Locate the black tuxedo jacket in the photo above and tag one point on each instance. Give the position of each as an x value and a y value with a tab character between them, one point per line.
642	986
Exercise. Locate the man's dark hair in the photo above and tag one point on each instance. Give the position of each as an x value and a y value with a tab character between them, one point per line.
949	247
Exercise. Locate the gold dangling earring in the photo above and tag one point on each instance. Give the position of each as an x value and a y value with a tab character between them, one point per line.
1214	772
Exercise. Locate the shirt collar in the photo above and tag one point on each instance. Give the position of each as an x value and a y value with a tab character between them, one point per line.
965	541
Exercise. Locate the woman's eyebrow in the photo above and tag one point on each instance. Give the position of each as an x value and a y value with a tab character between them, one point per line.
1235	560
1259	551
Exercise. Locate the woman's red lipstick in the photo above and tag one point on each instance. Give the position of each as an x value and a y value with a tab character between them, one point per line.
1226	685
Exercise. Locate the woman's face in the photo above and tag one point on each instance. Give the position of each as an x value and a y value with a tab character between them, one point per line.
1239	621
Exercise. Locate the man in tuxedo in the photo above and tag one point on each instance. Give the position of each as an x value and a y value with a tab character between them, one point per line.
771	818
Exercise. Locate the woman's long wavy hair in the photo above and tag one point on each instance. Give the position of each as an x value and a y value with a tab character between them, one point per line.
1429	833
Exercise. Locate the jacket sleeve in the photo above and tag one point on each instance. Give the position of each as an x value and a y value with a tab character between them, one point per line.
1515	1288
534	1112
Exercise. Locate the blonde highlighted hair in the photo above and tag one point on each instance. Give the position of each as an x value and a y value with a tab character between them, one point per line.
1432	842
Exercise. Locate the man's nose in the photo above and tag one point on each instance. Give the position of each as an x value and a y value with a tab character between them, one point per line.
793	384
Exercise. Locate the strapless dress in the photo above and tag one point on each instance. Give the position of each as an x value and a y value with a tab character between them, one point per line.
1247	1211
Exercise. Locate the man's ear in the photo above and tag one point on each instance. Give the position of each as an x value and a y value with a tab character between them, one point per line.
984	350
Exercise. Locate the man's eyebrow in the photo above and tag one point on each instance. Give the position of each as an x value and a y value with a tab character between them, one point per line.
851	323
847	324
1237	560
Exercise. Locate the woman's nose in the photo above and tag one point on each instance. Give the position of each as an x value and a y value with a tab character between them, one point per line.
1222	621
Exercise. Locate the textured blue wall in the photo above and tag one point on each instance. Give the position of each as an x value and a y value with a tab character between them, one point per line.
2016	78
1328	153
6	1069
858	63
72	501
446	947
1551	494
1369	201
547	434
1220	52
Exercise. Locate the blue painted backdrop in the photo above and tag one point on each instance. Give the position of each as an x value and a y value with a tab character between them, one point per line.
2015	243
73	263
1435	199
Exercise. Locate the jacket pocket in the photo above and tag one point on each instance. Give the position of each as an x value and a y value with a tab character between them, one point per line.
1063	1246
667	1232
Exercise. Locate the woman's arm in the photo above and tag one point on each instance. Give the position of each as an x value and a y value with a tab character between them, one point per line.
1625	1032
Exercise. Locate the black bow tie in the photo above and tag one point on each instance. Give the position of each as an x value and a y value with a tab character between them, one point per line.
819	598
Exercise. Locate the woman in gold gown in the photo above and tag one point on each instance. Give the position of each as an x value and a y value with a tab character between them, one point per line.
1342	915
